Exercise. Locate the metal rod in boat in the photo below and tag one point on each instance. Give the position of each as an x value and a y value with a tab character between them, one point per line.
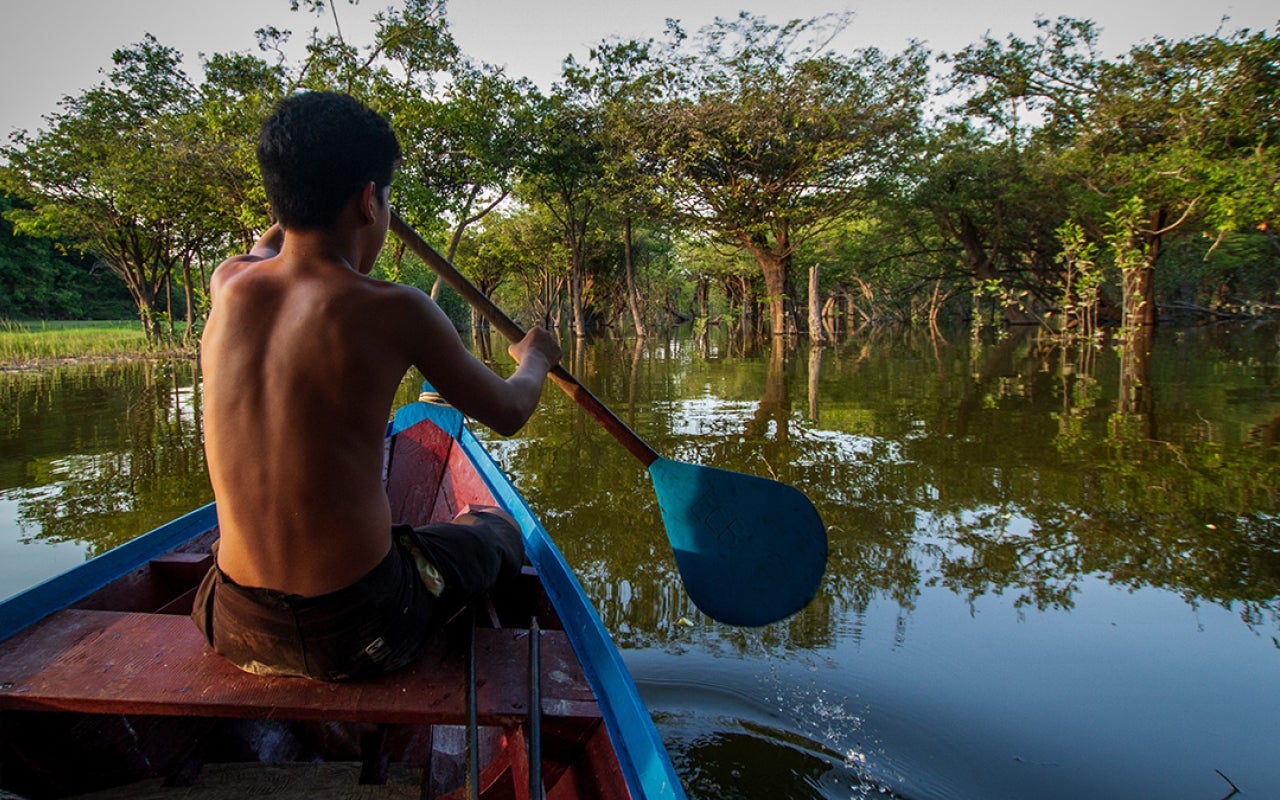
473	716
535	710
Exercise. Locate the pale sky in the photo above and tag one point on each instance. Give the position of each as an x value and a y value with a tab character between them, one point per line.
52	48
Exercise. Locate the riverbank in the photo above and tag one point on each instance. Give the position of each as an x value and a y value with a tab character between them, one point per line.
40	344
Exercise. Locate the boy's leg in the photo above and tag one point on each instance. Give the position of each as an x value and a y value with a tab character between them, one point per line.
481	547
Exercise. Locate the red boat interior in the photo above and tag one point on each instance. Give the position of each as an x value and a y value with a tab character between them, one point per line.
120	687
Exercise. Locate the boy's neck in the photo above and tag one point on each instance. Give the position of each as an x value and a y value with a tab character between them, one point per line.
323	244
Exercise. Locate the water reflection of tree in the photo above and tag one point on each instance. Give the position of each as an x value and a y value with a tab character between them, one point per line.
107	486
773	415
1192	515
1001	471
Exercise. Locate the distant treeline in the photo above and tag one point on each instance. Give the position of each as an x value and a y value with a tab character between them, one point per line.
746	172
41	280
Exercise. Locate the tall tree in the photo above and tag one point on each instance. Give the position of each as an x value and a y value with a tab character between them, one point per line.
463	147
986	180
1161	142
996	210
565	174
1181	136
766	137
621	79
105	175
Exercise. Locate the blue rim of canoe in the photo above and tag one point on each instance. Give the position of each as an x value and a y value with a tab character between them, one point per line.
641	755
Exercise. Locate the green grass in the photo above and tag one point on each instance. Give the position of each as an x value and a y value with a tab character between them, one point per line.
33	342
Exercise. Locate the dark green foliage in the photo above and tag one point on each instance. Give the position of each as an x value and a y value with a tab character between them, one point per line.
39	280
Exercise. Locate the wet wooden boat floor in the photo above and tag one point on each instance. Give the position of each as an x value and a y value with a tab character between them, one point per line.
328	781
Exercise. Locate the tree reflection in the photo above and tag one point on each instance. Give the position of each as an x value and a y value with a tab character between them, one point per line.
107	452
1022	468
773	415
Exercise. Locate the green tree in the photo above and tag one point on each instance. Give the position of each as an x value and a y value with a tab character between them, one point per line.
995	213
238	93
1174	139
527	241
1185	137
1170	140
621	80
565	175
989	181
134	171
463	148
764	137
92	177
40	280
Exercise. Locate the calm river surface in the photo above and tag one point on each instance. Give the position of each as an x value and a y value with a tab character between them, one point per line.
1054	572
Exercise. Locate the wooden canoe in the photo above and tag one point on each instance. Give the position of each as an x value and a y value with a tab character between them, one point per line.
104	680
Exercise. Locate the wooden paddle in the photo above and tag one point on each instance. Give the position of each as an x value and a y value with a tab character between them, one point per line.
750	550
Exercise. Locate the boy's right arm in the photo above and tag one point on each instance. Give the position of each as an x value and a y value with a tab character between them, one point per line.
467	382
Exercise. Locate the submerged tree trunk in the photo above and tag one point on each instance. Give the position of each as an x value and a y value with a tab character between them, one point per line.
1139	297
633	293
577	283
816	333
980	261
775	287
1137	256
188	296
702	297
774	260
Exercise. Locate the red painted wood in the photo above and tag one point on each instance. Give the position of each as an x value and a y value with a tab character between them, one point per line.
430	479
462	484
159	583
518	753
418	458
602	762
127	663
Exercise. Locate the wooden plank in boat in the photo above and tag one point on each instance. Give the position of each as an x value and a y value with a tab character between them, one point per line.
129	663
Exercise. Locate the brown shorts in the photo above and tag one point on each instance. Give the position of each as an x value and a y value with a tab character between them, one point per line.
377	624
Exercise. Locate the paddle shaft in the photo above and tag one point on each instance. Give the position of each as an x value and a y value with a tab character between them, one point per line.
507	327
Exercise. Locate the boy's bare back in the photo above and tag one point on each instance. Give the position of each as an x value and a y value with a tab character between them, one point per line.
302	356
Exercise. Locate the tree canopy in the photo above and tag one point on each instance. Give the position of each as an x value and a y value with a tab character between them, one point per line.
1021	180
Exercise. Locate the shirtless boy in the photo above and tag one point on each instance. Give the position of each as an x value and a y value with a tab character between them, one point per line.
302	355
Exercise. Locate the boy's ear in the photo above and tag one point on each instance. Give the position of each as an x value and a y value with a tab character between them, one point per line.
369	202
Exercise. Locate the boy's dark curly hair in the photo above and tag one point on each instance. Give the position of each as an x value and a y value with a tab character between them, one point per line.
316	150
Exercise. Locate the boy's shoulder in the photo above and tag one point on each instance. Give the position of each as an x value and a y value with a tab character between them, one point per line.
230	268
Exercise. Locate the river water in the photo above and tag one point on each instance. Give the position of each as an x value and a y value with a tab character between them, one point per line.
1054	571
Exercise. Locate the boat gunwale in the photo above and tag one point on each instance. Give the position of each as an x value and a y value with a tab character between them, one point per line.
26	608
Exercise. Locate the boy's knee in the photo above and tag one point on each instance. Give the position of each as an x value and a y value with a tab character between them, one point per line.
504	530
473	510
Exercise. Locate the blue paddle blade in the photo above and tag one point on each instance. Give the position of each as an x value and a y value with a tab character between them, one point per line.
750	550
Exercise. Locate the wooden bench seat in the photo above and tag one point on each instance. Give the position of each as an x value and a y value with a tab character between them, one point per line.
107	662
